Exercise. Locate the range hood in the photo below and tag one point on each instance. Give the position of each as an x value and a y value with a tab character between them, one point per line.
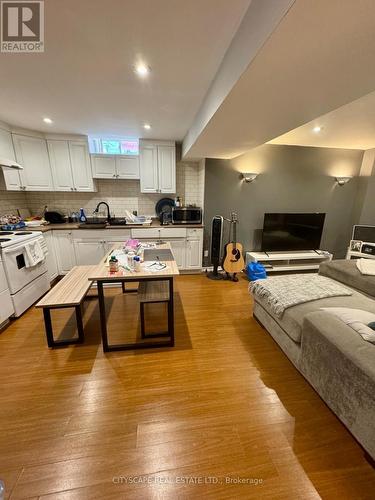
10	164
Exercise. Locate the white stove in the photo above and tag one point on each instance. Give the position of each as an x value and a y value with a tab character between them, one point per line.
27	283
8	238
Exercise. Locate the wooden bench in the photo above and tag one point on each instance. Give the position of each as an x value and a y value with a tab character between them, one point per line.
69	292
154	292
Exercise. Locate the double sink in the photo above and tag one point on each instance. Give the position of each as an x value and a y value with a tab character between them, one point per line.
96	223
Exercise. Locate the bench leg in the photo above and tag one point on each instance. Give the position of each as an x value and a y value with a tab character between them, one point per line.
142	315
48	327
49	330
131	290
81	335
170	332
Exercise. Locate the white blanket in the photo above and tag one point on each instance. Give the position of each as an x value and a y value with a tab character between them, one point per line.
282	292
366	266
33	253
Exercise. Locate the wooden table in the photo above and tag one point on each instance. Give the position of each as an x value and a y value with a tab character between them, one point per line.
102	275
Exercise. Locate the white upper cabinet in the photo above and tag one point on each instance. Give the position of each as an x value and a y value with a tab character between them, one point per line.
157	167
60	165
115	167
103	167
167	169
148	163
11	176
127	167
81	166
32	154
70	165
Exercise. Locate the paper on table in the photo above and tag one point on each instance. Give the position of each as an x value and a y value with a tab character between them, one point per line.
156	266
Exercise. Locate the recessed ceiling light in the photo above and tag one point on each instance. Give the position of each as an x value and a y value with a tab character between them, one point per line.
147	126
47	120
142	69
317	129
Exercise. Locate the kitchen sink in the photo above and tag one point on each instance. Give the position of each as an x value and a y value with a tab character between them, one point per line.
117	221
93	225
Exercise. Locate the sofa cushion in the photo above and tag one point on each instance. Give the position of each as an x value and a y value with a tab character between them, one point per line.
340	365
292	319
346	272
356	319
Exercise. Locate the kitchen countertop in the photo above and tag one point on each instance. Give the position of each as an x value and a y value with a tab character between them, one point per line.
73	225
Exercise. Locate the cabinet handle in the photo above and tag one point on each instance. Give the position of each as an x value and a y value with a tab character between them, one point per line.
71	189
114	175
75	189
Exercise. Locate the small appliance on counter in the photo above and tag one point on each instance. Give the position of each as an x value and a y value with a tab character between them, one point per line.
54	217
163	210
186	215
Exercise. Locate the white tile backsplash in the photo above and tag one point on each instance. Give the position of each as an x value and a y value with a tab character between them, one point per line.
121	195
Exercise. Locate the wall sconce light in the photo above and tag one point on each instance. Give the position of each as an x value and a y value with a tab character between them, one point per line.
249	177
341	181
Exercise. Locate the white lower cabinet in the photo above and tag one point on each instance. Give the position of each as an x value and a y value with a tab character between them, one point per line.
88	252
179	252
194	248
52	268
64	247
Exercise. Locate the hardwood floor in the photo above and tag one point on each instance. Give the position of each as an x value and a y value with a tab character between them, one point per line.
224	405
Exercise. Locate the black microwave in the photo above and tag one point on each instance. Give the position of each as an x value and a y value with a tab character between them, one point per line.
186	215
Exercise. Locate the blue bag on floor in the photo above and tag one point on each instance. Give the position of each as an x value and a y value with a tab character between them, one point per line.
255	271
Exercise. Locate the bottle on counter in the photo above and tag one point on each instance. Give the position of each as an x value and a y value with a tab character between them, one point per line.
137	263
82	216
113	264
177	202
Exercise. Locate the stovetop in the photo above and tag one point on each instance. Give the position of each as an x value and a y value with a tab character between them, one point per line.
8	238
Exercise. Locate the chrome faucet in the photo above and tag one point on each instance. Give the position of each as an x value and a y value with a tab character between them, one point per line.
108	212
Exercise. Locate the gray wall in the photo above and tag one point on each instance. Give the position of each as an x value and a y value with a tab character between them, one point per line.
291	179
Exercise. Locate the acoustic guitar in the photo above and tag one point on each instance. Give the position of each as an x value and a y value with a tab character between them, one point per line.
233	257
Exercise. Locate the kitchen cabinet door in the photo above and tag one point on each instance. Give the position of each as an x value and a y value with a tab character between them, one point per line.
179	251
51	261
193	253
127	167
167	169
60	165
148	165
103	167
11	177
81	166
64	248
88	252
6	145
32	154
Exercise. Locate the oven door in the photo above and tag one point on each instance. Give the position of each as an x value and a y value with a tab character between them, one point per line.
18	275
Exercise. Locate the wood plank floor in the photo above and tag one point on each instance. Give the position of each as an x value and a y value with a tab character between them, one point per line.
224	406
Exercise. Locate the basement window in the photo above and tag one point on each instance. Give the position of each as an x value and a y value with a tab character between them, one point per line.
114	146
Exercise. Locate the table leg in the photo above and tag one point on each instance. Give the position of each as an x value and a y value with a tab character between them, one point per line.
103	318
171	311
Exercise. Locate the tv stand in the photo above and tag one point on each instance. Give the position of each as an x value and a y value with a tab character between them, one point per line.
289	261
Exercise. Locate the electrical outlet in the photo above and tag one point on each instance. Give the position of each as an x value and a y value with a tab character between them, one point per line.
206	253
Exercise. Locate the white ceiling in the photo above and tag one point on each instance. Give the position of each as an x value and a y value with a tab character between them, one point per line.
319	57
350	127
84	81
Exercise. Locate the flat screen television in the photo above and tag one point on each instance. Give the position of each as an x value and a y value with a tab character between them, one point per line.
292	232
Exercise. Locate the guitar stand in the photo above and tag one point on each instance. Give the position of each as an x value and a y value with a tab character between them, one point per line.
215	275
232	277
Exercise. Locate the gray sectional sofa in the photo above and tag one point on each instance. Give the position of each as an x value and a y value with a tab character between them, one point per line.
337	362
